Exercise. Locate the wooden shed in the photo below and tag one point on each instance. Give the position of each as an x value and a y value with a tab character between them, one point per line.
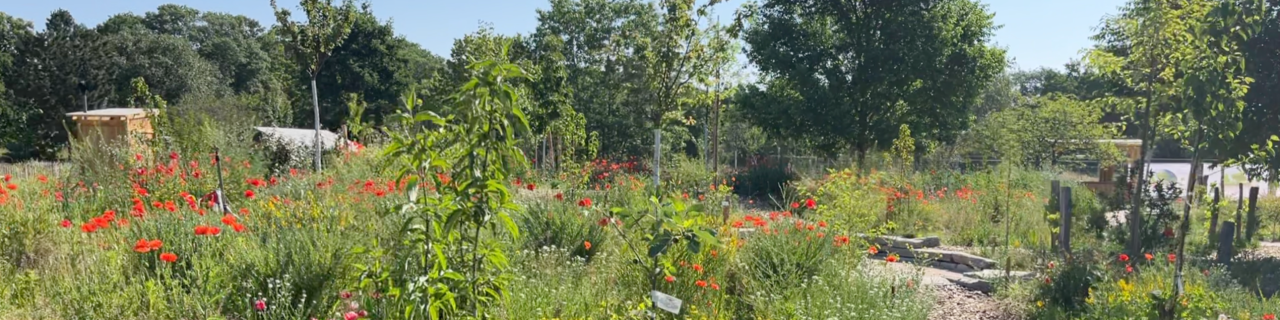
113	125
1131	148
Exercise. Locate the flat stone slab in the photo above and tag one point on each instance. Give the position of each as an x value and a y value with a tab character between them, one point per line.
976	262
954	257
999	274
901	242
974	284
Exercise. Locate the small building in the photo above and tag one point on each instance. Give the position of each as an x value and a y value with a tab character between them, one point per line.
1132	150
115	125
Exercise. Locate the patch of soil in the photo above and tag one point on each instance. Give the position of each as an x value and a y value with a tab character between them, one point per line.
955	303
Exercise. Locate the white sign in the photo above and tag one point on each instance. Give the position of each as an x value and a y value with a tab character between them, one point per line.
666	302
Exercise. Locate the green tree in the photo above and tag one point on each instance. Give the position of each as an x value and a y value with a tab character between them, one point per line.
46	71
845	75
312	43
1043	131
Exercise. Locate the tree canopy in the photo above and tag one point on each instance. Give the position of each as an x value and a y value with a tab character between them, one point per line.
844	75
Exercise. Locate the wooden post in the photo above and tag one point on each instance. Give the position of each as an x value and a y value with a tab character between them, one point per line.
1226	242
1213	216
1239	212
1251	223
1064	232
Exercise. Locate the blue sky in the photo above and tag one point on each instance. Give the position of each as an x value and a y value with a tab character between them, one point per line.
1037	33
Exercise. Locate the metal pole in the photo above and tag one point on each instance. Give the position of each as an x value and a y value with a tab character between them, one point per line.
315	104
217	163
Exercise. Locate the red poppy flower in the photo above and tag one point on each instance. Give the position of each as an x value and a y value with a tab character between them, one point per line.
872	250
1149	256
237	227
229	219
42	178
737	224
1124	257
170	206
173	156
155	244
88	227
12	186
822	224
700	283
685	195
168	257
604	222
141	246
586	245
202	230
1128	268
670	279
7	177
249	194
891	258
379	193
795	205
137	156
697	267
1048	280
559	196
1269	316
122	222
585	202
530	187
715	286
1050	265
213	231
809	203
65	223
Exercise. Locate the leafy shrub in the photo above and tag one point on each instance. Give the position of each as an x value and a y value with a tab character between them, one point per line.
785	252
764	181
549	226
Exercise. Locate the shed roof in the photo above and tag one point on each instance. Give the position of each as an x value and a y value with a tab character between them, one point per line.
114	112
299	137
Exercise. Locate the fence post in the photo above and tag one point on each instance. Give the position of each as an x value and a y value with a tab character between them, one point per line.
1251	224
1226	242
1213	216
1064	232
1239	225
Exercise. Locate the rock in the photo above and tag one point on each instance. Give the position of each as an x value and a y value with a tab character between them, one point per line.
745	232
999	274
918	254
900	242
951	266
974	284
976	262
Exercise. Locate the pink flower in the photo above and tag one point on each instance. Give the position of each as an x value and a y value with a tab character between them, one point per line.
350	315
260	305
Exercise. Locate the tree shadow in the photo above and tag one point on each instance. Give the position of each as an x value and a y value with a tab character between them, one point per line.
1257	273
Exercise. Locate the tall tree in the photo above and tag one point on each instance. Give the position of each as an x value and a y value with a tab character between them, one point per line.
45	78
327	26
847	74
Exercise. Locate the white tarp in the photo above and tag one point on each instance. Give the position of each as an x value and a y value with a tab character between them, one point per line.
1178	172
299	138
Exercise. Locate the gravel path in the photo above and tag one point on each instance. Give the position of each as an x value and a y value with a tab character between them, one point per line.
951	302
955	303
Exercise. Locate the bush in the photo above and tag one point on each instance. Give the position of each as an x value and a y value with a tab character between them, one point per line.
764	181
548	226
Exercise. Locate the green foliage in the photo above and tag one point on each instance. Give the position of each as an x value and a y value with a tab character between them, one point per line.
474	143
857	103
764	181
1045	133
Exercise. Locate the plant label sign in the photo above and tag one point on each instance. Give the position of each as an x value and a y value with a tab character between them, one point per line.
666	302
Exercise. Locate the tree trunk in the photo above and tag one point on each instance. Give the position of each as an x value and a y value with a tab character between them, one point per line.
315	104
1140	189
1185	225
